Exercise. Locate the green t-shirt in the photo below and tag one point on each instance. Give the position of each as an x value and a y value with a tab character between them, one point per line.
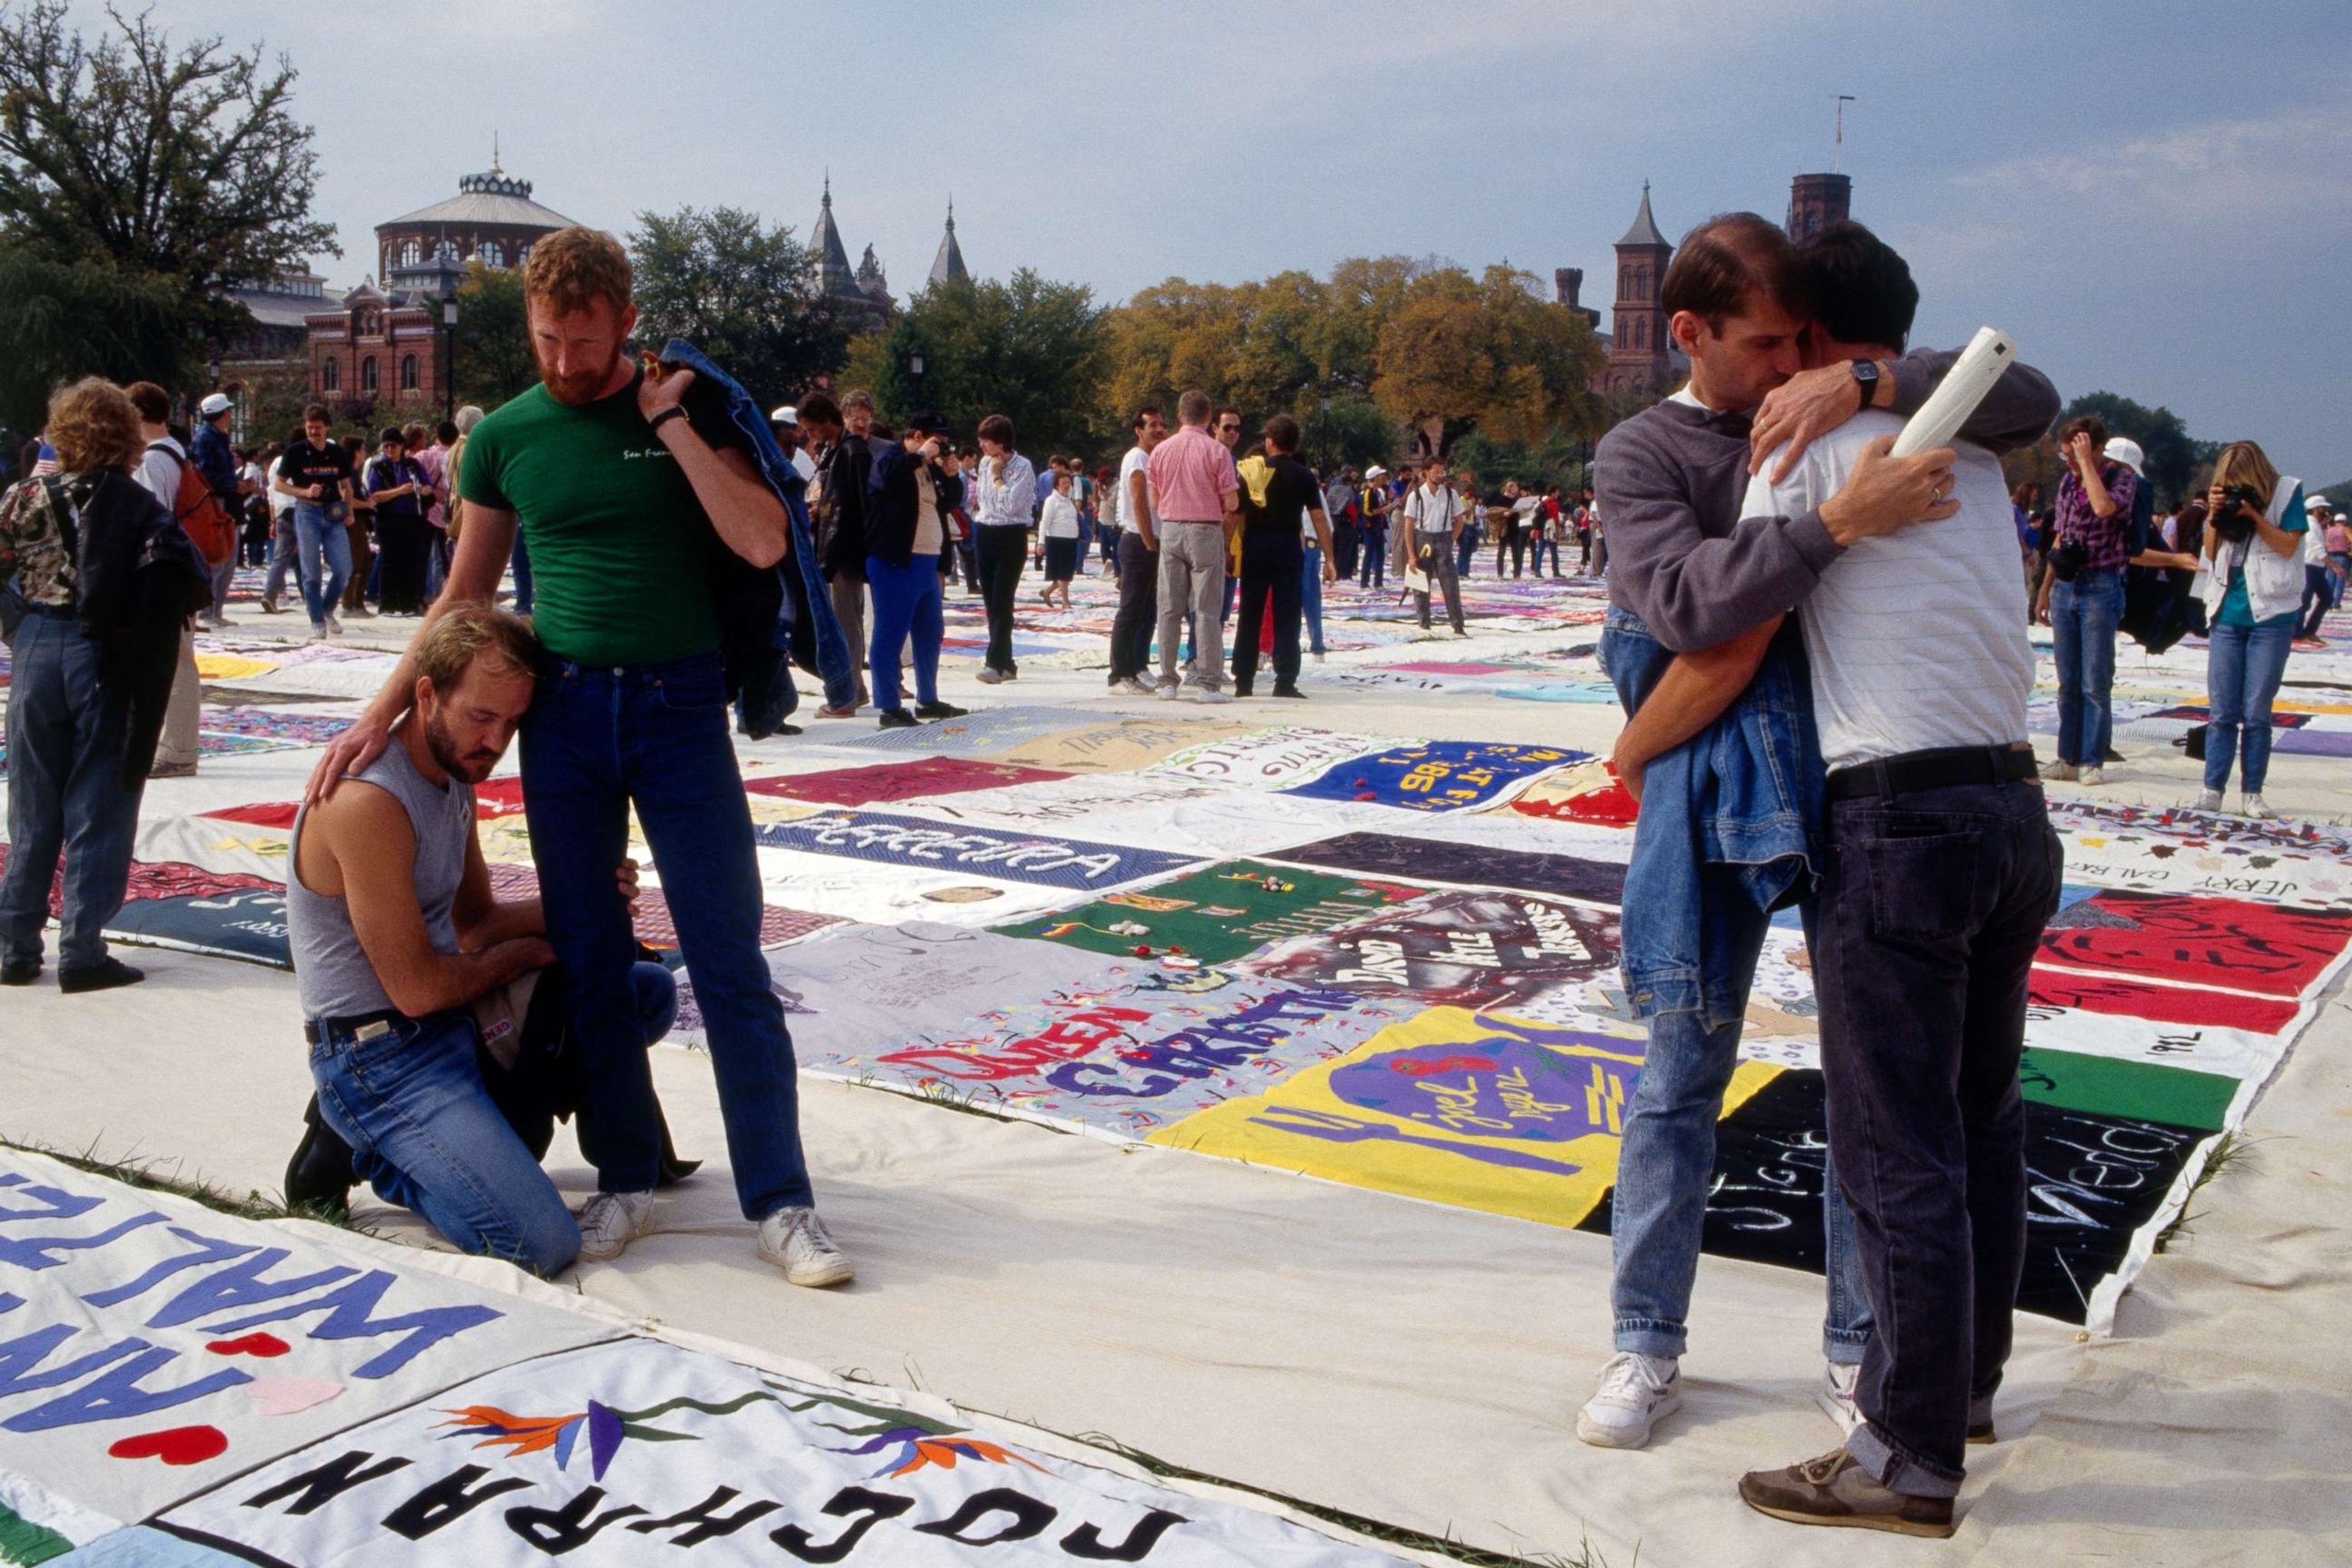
2235	609
620	548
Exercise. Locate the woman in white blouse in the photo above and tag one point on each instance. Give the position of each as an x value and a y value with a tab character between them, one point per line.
1057	527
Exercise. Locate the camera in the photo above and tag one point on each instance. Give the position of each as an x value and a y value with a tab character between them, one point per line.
2232	521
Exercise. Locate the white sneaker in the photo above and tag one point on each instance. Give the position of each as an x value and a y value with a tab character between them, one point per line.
2254	807
610	1221
334	623
2209	800
1168	691
2093	776
796	1241
318	631
988	677
1210	694
1835	1397
1635	1391
1131	687
1317	657
2063	773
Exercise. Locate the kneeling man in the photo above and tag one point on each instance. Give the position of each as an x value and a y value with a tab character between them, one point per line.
402	956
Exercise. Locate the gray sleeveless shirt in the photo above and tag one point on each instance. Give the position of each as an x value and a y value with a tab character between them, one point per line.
332	974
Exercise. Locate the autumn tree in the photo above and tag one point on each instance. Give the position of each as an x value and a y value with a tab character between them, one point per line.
492	341
1488	355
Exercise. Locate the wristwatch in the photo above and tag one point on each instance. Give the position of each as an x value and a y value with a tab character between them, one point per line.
1865	377
678	411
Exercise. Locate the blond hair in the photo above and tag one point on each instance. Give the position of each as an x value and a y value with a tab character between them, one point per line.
93	424
573	267
2247	466
448	647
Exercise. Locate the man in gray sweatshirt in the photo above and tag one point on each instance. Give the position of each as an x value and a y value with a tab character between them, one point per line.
1691	576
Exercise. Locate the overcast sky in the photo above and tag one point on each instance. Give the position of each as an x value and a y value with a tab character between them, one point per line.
2154	197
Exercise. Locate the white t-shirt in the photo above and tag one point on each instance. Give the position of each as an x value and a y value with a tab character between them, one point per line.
1433	512
1917	638
1137	461
159	471
803	465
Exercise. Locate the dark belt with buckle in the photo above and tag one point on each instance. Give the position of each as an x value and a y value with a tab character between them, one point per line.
1949	768
359	1025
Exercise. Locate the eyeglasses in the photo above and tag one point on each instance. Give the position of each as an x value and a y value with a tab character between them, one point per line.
1230	429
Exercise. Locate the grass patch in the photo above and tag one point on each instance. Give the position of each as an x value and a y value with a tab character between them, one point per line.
2228	1149
148	1177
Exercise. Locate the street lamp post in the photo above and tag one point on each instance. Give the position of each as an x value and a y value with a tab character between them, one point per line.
448	359
915	375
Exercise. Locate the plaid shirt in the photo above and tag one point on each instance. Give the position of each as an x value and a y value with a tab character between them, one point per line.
2101	537
33	547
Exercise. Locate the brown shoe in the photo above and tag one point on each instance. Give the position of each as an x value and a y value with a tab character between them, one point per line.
1982	1434
1834	1490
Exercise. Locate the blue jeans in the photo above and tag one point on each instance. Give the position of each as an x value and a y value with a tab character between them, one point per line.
1932	908
2242	671
2083	615
521	562
1465	550
1665	1168
322	552
1373	568
423	1132
65	792
596	742
1542	544
906	601
1310	596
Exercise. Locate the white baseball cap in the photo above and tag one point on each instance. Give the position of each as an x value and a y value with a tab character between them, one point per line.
1375	472
2310	501
2124	450
214	406
787	414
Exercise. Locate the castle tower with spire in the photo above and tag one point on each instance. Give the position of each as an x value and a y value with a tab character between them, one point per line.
863	290
948	266
1639	363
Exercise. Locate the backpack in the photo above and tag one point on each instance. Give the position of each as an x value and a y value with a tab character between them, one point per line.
198	509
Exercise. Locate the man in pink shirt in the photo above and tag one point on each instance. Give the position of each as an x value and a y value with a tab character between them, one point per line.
1195	497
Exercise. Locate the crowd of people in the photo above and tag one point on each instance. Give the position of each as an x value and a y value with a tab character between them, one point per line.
1824	670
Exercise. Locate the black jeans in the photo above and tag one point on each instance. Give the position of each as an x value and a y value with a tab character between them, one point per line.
1272	560
1138	607
1004	551
1931	910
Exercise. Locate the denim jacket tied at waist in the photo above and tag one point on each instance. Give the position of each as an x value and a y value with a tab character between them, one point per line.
1731	828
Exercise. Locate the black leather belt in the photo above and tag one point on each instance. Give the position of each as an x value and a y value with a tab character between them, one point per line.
315	1030
1948	768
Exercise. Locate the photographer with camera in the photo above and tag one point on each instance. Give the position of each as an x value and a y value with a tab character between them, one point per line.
2085	595
2253	587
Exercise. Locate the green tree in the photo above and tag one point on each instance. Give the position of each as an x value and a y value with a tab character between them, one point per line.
1032	350
743	294
61	320
494	362
183	164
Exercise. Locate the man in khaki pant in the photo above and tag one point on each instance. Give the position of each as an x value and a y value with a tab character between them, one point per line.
1196	496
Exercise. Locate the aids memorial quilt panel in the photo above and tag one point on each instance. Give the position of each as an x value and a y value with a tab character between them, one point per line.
890	840
641	1452
149	1347
1462	949
1466	865
1217	915
1438	775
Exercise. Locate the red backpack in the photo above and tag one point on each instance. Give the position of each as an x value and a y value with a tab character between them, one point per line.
200	511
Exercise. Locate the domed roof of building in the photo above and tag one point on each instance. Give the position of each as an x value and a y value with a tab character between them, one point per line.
496	197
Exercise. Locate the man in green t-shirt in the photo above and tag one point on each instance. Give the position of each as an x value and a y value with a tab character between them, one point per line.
627	507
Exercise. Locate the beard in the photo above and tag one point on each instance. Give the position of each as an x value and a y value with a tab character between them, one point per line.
470	767
575	391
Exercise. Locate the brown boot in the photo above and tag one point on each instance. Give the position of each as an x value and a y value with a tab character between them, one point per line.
1835	1489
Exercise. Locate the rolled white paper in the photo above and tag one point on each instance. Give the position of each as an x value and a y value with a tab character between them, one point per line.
1980	364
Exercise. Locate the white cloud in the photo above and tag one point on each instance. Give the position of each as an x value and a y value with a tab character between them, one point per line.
2218	172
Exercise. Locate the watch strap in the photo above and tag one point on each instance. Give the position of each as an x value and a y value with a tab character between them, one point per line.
1865	376
675	411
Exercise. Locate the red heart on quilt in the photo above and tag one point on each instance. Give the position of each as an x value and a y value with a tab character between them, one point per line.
180	1446
263	1345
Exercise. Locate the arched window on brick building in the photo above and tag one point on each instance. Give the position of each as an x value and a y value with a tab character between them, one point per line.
409	254
331	375
493	254
408	374
367	374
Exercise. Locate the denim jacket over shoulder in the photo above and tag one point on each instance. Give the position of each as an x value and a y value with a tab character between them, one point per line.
1730	828
767	694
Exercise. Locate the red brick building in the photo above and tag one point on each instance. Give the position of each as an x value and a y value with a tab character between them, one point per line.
377	354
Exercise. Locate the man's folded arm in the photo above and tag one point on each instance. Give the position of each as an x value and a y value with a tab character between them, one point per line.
1693	591
1697	690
